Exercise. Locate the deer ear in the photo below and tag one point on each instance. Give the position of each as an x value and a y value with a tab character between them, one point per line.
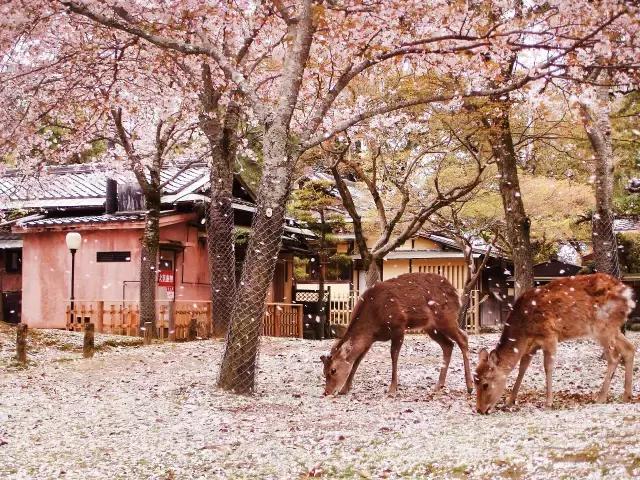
324	359
483	355
345	349
493	358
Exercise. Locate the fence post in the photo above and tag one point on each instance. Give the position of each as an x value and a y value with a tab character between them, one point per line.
277	320
172	321
193	329
209	316
300	322
21	343
89	343
147	333
100	317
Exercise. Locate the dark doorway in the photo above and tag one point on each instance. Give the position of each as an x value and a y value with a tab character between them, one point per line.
12	307
279	280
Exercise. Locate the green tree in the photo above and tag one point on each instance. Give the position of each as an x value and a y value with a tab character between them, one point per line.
317	204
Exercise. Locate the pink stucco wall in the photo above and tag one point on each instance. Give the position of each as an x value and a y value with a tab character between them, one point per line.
46	269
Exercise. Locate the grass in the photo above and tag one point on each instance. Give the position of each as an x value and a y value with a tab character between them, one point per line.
634	465
509	470
590	454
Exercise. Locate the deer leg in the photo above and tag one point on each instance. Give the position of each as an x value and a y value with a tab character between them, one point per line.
396	344
627	350
549	361
613	358
524	364
347	386
460	337
447	348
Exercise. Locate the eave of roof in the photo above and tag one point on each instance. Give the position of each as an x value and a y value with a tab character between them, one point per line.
108	221
82	220
417	254
85	186
9	244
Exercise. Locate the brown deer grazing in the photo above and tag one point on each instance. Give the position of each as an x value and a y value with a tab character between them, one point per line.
384	312
594	306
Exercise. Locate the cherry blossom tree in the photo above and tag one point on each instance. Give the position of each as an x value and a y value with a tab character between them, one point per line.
64	95
299	61
407	183
467	232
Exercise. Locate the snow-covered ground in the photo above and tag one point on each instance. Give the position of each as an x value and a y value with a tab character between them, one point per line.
154	412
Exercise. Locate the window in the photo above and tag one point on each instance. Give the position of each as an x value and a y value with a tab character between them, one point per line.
337	269
13	261
113	256
166	264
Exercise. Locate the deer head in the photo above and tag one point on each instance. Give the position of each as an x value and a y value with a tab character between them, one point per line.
337	368
490	381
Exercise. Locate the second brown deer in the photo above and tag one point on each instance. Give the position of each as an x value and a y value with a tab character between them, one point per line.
593	306
385	312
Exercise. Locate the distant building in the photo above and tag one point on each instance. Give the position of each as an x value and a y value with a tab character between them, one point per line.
37	263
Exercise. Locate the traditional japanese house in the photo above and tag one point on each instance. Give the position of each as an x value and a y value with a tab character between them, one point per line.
75	199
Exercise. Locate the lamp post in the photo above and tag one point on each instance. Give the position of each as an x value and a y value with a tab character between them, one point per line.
74	241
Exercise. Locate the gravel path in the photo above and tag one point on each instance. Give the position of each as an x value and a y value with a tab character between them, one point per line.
154	412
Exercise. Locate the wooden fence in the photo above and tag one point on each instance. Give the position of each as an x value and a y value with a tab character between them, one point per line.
283	320
173	318
340	306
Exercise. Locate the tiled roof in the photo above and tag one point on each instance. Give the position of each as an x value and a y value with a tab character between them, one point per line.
9	236
86	185
626	224
10	240
87	219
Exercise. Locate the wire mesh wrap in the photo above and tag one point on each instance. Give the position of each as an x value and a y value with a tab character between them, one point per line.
605	245
148	268
237	372
222	260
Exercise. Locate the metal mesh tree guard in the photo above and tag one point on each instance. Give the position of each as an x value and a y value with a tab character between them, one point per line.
222	260
148	266
605	245
237	372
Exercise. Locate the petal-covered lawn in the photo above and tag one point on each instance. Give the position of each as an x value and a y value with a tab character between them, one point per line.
155	412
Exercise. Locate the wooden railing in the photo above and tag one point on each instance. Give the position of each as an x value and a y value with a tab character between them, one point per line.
173	319
283	320
123	317
340	306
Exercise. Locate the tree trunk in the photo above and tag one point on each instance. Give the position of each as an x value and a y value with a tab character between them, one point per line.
373	272
237	372
473	275
465	301
597	125
322	260
149	262
465	298
321	280
321	317
221	250
518	223
222	136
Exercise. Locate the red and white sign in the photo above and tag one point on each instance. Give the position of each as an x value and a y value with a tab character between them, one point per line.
165	278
